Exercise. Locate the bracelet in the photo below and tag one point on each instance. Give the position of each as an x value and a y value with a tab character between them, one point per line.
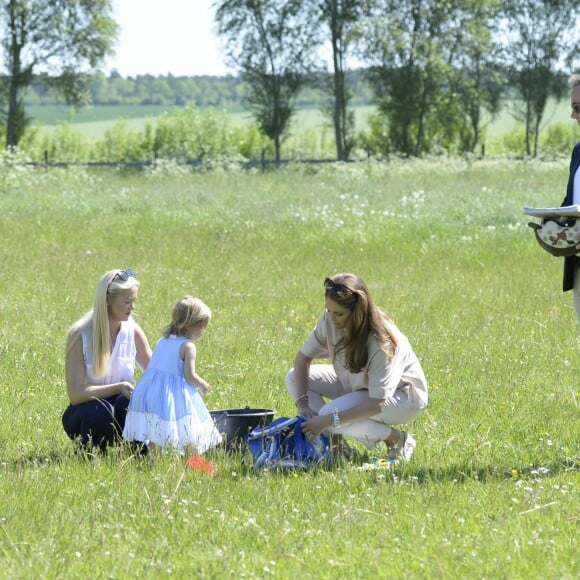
301	399
335	419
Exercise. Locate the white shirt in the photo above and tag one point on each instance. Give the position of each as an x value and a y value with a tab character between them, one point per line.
382	375
122	359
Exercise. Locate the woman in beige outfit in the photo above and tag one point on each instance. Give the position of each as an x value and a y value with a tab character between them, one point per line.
374	380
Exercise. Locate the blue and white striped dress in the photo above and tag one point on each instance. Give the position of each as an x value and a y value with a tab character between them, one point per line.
164	408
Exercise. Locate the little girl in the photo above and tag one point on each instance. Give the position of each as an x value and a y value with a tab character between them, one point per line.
166	408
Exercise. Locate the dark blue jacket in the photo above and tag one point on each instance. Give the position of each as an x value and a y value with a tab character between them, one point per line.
571	261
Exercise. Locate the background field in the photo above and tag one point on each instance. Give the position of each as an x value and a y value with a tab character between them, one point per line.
491	491
94	121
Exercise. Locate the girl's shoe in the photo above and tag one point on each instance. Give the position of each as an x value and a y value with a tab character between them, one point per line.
198	463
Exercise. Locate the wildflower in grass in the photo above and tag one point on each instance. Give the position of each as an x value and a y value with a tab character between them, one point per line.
540	471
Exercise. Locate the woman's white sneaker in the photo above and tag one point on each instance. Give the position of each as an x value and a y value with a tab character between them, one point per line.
405	451
408	447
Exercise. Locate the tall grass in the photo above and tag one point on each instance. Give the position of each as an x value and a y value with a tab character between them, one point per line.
491	490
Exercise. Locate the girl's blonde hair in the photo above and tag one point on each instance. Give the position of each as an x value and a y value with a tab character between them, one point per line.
96	320
187	313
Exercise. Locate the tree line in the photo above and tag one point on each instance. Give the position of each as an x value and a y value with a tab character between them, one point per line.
433	67
203	91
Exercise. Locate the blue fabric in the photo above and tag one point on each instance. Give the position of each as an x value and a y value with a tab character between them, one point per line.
162	388
281	444
165	409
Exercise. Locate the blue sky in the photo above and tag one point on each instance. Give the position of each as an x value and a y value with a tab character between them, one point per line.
166	36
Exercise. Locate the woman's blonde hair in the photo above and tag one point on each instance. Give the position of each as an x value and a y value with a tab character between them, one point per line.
96	320
350	292
187	313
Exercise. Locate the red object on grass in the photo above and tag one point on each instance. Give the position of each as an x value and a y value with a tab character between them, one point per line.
198	463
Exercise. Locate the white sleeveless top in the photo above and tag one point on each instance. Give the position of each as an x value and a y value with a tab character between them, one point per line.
122	359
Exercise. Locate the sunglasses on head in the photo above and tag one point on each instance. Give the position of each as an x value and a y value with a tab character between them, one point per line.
124	275
338	289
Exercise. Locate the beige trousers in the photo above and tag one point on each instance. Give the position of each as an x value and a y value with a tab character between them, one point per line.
326	393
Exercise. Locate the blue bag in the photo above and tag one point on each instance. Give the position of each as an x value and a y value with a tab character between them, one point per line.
282	445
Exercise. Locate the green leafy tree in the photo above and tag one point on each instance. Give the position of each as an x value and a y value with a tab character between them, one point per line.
66	39
122	90
433	71
272	43
477	83
340	18
98	87
540	36
410	44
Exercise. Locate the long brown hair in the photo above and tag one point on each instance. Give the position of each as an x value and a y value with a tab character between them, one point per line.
350	292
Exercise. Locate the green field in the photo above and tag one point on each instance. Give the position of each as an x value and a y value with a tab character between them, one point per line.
492	490
94	121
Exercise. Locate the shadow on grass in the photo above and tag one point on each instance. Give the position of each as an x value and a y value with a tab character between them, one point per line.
37	459
424	475
481	473
61	454
240	460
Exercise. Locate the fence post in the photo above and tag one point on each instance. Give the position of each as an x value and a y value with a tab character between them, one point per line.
46	159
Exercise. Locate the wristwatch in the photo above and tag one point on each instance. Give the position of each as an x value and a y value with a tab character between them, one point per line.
335	419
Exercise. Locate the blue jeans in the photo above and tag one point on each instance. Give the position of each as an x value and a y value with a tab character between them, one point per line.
98	423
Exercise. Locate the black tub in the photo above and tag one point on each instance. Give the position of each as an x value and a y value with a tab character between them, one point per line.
235	424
